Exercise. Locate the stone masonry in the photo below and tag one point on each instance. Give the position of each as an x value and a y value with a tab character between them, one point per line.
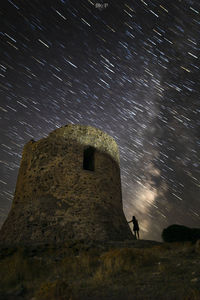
68	187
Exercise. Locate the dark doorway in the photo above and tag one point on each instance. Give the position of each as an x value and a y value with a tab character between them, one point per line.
88	159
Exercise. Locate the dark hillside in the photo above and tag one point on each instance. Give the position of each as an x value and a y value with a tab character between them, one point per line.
88	270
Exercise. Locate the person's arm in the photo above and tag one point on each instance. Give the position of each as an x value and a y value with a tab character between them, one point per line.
130	221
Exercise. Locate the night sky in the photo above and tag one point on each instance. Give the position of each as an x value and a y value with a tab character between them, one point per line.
130	68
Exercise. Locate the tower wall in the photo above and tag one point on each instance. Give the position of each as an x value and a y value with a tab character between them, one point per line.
56	199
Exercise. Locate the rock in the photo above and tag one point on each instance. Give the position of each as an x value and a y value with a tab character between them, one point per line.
180	233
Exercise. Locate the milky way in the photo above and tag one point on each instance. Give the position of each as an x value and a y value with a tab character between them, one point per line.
130	68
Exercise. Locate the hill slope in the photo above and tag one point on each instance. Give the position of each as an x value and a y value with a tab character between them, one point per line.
89	270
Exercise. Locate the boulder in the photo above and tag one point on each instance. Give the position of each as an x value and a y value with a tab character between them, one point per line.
180	233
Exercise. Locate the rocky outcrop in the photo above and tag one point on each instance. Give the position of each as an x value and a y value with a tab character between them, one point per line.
180	233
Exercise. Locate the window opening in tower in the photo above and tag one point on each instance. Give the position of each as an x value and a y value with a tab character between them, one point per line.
88	158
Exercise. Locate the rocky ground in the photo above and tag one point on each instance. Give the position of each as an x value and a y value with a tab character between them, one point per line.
88	270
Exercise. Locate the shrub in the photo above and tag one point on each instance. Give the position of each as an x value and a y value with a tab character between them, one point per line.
57	289
125	260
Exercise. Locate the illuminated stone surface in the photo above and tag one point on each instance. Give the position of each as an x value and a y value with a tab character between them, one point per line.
56	199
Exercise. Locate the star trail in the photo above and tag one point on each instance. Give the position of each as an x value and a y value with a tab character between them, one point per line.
130	68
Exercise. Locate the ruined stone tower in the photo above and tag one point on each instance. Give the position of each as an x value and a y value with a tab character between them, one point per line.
68	187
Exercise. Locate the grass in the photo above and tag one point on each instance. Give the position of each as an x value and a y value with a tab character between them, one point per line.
78	271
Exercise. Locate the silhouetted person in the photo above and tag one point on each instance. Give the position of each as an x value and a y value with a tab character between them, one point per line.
135	227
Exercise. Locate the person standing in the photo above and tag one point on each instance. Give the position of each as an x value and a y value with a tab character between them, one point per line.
135	227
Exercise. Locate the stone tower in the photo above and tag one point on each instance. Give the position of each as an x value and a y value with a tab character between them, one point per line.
68	187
